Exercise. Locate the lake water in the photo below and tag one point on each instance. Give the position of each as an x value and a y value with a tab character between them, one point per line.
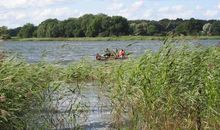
61	51
98	117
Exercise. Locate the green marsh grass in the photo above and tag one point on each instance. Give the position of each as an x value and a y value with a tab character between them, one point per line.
177	87
24	88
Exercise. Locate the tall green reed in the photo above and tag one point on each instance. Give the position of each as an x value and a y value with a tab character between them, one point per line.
25	88
175	88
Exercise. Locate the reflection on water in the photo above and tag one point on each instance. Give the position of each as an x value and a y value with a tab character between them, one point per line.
73	107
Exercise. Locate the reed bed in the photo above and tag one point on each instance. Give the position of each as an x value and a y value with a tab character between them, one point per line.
177	87
25	88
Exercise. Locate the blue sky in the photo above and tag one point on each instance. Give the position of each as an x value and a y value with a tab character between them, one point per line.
14	13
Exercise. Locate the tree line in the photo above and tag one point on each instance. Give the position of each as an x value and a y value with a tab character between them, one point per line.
101	25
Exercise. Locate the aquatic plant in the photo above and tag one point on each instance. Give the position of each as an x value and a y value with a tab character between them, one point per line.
25	88
175	88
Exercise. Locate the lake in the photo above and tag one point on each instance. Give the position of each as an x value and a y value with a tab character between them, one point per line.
99	116
68	51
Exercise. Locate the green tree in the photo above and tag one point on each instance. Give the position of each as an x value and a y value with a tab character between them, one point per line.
3	30
48	28
190	27
182	28
95	27
27	31
99	26
70	28
154	28
85	21
207	28
195	26
105	25
4	34
215	29
119	26
168	25
14	32
141	29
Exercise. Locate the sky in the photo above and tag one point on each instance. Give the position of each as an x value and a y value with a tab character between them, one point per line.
14	13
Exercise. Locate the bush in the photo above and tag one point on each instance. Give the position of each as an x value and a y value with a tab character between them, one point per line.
5	37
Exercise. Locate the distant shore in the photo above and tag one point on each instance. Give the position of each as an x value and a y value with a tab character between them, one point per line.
120	38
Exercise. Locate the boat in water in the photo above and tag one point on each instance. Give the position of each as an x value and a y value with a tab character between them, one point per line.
112	55
106	58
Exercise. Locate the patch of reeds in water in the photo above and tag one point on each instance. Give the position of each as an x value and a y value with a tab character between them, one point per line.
27	90
177	87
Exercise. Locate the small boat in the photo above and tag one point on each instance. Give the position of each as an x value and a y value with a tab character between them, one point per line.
106	58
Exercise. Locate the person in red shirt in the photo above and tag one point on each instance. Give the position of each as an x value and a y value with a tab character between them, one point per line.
121	53
98	56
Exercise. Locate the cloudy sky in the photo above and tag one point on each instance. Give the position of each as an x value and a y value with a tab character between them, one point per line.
14	13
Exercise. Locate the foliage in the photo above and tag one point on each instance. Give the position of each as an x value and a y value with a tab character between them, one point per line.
215	29
207	28
27	31
3	30
139	29
14	32
175	88
101	25
4	33
48	28
24	89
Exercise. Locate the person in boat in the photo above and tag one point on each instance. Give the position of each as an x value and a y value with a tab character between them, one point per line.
116	52
98	56
121	53
108	53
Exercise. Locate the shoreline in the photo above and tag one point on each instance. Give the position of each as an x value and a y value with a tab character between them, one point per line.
120	38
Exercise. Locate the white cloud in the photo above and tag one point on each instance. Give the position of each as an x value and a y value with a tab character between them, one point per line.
137	5
18	12
173	12
198	7
148	14
117	8
18	15
14	18
164	9
211	13
8	4
218	6
60	13
178	8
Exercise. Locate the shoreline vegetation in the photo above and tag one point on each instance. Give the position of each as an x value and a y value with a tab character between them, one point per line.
94	27
174	88
119	38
